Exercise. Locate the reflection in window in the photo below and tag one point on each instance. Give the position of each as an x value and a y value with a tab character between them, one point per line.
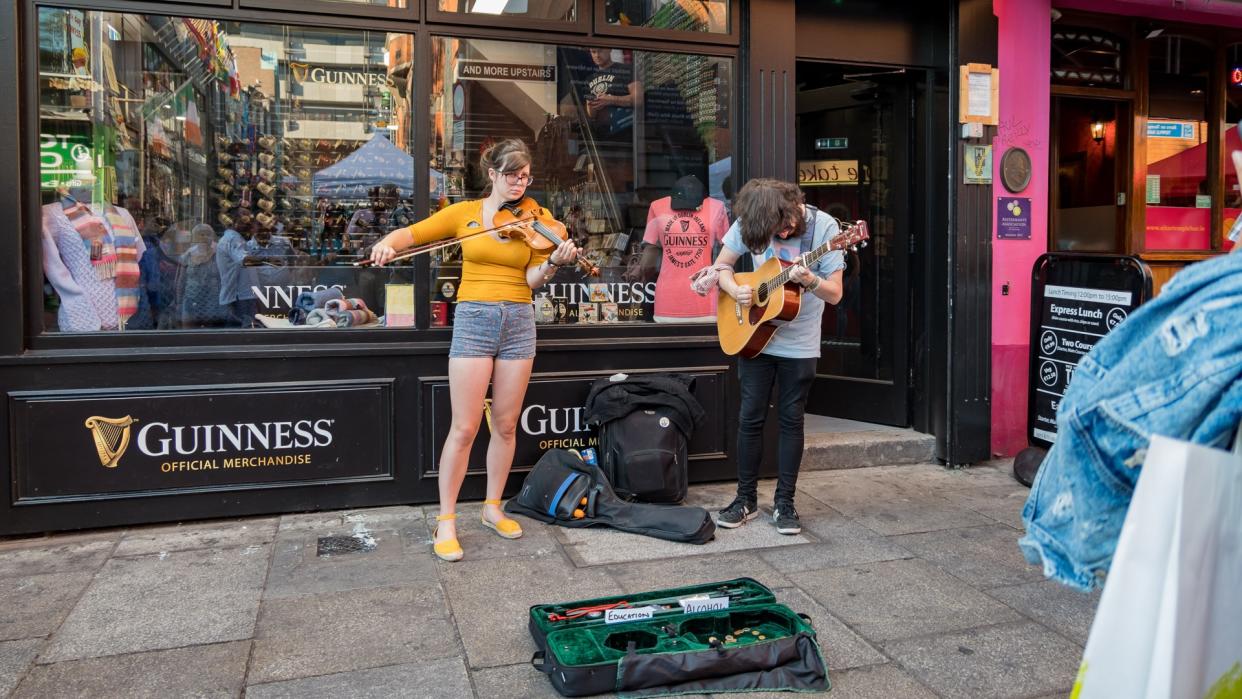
631	151
1233	114
681	15
1084	56
1179	203
375	3
557	10
205	174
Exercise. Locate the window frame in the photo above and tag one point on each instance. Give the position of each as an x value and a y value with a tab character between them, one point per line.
580	25
28	331
328	7
730	38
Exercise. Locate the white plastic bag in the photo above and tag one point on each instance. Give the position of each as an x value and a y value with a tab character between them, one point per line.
1169	623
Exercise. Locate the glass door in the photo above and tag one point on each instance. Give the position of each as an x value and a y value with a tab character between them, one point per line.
853	135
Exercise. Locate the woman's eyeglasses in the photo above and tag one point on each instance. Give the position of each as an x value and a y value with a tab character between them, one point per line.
515	178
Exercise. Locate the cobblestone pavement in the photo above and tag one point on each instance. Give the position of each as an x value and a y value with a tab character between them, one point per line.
911	574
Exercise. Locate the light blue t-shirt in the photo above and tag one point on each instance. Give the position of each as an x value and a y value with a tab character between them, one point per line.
800	337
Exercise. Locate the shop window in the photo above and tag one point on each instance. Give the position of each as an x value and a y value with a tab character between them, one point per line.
1087	56
547	10
709	16
1178	198
631	151
1233	114
202	174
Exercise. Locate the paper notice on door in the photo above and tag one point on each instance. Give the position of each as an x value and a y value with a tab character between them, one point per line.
979	94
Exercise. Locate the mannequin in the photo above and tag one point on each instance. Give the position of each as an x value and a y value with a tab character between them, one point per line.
682	230
90	257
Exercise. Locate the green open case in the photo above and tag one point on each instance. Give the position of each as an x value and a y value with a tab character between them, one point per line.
729	636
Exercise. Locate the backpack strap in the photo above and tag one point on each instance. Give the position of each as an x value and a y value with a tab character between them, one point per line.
807	241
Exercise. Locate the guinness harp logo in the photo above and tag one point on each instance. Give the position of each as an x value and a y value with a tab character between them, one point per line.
299	70
111	437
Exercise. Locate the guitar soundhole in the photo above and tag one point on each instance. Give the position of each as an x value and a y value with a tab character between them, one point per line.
761	297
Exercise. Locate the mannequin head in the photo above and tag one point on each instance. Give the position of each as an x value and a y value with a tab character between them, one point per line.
688	193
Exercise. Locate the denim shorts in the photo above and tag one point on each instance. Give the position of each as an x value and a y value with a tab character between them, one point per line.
503	330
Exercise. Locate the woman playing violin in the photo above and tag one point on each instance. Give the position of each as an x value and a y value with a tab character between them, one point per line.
493	332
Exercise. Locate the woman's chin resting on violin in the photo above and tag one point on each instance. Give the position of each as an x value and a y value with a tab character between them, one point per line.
493	330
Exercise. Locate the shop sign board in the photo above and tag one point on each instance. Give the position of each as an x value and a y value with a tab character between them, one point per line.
1013	218
492	70
1182	130
100	444
1076	301
65	160
553	416
824	173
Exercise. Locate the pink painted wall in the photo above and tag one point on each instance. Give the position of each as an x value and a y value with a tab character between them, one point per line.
1025	31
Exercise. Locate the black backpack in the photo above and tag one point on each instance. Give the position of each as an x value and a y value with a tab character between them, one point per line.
644	456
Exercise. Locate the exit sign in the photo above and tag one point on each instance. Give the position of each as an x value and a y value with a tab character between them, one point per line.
832	143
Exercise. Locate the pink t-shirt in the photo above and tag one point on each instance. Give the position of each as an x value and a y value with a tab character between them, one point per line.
686	239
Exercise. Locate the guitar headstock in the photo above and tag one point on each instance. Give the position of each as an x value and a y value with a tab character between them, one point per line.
854	236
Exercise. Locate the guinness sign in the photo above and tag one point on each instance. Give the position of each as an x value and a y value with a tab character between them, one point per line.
307	73
180	439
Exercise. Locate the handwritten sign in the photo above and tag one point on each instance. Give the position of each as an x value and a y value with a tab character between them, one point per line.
617	616
822	173
694	605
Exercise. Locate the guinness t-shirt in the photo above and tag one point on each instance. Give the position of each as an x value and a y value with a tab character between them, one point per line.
613	79
686	238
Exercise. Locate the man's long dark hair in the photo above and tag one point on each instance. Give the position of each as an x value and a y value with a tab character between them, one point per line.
765	207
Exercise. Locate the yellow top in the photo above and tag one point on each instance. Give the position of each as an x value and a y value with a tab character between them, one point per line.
492	269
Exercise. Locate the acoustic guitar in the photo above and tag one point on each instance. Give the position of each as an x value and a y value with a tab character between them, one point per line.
746	330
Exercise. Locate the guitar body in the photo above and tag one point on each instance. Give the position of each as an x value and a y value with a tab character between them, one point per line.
746	330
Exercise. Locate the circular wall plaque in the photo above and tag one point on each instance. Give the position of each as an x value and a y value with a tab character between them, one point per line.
1015	169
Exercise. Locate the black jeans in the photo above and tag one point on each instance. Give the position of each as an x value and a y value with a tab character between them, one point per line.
793	378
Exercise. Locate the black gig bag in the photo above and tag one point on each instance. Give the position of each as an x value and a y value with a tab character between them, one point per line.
559	483
644	455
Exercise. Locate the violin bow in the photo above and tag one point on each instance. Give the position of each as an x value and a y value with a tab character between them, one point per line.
432	247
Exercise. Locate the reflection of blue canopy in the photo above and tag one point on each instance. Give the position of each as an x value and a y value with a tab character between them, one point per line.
377	162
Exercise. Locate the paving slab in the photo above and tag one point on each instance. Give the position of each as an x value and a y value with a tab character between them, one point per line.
528	683
354	630
601	546
214	670
899	599
171	600
887	504
298	569
1060	608
842	647
38	556
695	570
15	658
1011	660
842	541
35	605
392	517
1002	503
437	679
481	543
985	556
198	535
873	682
491	599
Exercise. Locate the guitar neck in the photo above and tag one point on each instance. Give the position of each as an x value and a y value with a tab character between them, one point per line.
809	259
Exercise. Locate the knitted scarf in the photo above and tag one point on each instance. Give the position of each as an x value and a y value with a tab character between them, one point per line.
114	255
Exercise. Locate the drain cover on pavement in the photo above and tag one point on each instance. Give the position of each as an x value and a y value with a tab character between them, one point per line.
341	545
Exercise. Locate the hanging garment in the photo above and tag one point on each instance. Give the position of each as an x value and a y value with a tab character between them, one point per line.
82	266
1174	368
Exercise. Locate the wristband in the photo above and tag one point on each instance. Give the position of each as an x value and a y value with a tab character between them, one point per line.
814	285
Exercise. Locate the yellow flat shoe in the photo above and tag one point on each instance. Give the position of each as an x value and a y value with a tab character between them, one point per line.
506	527
446	550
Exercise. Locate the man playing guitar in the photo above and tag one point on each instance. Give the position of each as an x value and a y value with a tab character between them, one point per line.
774	221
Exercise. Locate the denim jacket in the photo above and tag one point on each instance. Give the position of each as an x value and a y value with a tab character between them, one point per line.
1173	368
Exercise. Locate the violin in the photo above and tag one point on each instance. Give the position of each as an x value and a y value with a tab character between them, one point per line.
527	221
521	220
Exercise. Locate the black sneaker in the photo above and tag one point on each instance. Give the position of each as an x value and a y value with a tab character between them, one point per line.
785	515
738	512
